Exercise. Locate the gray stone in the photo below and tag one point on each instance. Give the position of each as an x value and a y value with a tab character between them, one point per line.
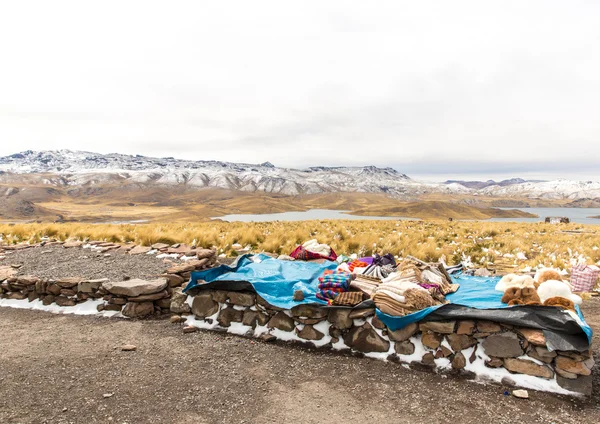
365	339
403	333
404	348
138	309
482	272
135	287
219	296
281	321
441	327
250	318
229	315
64	301
173	280
340	318
149	297
204	306
582	385
362	313
459	342
70	282
90	286
524	366
503	345
178	302
310	333
241	298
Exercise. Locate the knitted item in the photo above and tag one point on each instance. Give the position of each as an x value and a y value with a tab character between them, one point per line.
348	298
356	263
302	254
560	302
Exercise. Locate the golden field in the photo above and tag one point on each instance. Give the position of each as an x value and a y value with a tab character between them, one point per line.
493	244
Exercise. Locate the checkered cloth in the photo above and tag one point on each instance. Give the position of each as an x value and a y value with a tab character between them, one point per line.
584	277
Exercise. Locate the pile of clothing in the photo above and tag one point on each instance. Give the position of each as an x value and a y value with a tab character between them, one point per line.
415	285
312	249
395	289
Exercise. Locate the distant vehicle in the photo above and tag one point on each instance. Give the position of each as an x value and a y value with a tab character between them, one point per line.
557	220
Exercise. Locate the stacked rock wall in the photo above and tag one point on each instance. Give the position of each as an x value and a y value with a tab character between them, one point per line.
502	353
132	298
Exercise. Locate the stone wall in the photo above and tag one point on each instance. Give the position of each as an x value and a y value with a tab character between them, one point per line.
509	355
131	298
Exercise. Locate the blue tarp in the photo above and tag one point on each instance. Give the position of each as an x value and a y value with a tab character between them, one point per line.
275	281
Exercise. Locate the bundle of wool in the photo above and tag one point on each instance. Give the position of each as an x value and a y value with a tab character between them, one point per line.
555	288
418	299
545	274
314	247
513	280
560	302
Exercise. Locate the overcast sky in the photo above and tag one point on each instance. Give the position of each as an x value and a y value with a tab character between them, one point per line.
436	89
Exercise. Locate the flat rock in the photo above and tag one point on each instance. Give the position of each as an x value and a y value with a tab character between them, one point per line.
533	336
229	315
428	359
465	327
482	272
128	348
403	334
441	327
64	301
494	363
181	268
205	253
149	297
582	385
565	374
524	366
204	306
138	309
173	280
310	333
503	345
71	244
361	313
459	342
340	318
281	321
6	272
488	327
189	329
365	339
160	246
309	311
250	318
135	287
219	296
572	366
90	286
521	394
140	250
541	354
242	298
404	348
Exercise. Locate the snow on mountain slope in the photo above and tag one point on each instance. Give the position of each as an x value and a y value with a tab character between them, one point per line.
78	168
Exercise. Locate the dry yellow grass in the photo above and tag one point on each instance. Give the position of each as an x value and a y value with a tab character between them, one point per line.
506	245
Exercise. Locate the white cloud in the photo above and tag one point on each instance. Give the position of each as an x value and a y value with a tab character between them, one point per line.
512	84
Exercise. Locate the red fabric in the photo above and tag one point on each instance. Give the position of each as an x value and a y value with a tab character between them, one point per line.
584	277
304	255
356	263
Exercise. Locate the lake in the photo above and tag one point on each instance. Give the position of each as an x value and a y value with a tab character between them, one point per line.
579	215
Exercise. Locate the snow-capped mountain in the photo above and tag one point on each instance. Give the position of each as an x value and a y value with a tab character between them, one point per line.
65	167
77	168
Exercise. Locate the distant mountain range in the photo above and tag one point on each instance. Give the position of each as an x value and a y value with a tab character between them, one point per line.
79	169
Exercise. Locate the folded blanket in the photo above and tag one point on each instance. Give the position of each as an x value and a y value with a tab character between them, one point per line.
350	298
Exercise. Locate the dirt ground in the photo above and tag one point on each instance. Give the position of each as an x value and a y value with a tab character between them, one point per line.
70	369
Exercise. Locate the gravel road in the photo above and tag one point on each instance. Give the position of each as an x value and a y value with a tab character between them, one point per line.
57	262
57	369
